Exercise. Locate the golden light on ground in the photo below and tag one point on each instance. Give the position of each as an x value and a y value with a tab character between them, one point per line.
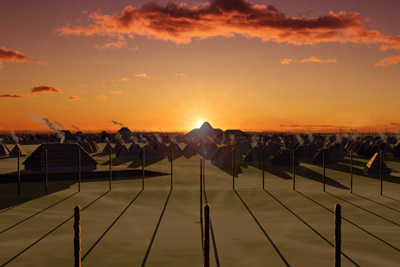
199	123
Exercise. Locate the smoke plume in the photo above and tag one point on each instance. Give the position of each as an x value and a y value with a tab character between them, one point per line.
51	125
75	127
14	136
117	123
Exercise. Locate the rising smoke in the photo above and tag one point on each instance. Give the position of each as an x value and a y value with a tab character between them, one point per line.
51	125
117	123
14	136
76	127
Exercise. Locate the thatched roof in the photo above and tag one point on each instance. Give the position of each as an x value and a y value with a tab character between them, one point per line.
284	158
123	153
14	152
59	154
3	150
373	166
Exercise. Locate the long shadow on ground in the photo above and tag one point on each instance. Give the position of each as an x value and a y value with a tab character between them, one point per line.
309	226
44	236
262	229
227	167
33	183
357	226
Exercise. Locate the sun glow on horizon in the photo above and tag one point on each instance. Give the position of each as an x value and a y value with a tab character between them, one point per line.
199	124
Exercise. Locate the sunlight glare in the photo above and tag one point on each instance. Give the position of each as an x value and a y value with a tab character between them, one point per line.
199	123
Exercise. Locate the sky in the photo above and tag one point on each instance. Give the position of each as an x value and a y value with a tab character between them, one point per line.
286	66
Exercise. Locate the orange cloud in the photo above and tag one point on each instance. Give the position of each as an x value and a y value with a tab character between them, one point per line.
81	85
181	23
115	92
15	56
102	97
388	61
73	98
44	89
286	61
315	59
8	96
181	75
142	75
126	79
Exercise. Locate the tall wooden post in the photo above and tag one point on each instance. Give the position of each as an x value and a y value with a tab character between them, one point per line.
204	174
351	171
19	176
294	172
79	170
233	173
323	167
45	182
338	234
206	239
263	154
201	190
77	236
380	169
143	163
172	168
110	171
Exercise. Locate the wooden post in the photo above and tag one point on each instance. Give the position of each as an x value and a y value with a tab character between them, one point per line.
323	171
380	168
77	237
351	171
45	182
201	191
294	172
206	238
79	170
233	173
338	234
143	163
204	174
172	168
110	171
19	176
263	154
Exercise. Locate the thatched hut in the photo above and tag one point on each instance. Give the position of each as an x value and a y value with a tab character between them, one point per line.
60	157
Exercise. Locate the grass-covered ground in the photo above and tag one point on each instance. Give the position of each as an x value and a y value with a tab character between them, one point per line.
157	226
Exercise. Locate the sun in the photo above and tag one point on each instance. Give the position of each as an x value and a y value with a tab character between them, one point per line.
199	123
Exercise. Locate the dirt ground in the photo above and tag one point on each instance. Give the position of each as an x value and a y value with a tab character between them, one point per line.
160	226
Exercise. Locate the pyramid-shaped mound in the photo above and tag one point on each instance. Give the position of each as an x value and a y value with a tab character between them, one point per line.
149	152
371	150
17	149
60	157
135	150
117	147
176	149
123	153
205	130
3	150
330	158
373	166
244	147
107	148
255	155
86	146
189	150
159	151
284	158
209	149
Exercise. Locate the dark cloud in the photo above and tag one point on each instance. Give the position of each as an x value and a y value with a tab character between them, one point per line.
8	96
44	89
181	23
14	56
